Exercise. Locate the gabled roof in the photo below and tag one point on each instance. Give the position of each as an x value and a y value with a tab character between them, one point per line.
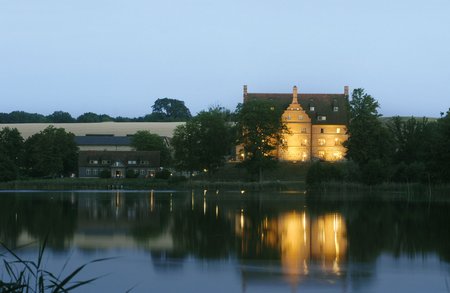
323	105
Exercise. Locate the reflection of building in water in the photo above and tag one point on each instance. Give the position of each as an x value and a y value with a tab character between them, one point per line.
305	243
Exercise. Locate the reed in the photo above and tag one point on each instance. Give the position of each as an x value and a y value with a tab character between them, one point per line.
25	276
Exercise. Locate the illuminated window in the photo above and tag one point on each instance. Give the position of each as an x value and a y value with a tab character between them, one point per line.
105	162
131	162
303	130
304	156
304	142
321	141
321	154
335	108
338	130
300	117
337	155
93	162
144	162
337	141
312	108
321	118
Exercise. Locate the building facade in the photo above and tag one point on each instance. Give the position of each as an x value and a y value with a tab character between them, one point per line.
317	124
118	163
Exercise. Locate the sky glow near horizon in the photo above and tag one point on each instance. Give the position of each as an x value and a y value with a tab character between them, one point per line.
118	57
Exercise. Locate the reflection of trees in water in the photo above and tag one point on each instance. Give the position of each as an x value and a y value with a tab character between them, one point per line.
38	215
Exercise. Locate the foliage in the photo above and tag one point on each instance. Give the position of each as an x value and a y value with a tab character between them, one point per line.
163	174
60	117
373	172
131	174
203	142
8	170
439	160
143	140
90	117
105	173
11	153
22	117
410	139
260	131
51	152
169	110
323	171
368	139
31	276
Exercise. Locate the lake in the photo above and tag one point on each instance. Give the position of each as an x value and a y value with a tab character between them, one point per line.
210	241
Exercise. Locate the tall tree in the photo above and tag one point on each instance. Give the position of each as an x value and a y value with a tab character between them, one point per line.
143	140
51	152
11	143
439	160
169	110
11	153
411	139
204	141
368	139
260	132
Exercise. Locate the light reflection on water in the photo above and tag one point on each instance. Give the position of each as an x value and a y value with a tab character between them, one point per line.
257	243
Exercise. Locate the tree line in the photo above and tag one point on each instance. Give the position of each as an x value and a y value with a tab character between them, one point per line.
399	150
163	110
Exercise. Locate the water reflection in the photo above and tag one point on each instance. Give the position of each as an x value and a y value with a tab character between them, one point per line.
285	238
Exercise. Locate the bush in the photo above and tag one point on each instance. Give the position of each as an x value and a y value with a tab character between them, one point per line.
131	174
323	171
373	172
105	173
163	174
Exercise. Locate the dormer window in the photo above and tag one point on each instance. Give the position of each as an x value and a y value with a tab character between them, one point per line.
312	108
322	118
335	108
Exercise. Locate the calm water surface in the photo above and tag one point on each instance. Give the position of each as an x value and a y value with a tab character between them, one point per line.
228	242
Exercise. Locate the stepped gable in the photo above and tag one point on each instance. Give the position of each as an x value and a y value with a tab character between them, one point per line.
324	105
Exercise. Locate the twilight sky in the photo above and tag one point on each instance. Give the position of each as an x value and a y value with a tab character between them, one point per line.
118	56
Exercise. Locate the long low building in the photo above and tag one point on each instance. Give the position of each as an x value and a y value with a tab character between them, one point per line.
164	129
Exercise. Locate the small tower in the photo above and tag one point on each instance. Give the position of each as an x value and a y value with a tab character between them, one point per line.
295	95
245	92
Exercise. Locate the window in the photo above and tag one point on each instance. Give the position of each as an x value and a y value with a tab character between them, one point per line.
304	142
335	108
93	162
337	155
338	130
131	162
312	108
322	130
300	117
303	130
337	142
143	172
105	162
88	172
304	156
321	118
95	172
288	117
144	162
321	141
321	154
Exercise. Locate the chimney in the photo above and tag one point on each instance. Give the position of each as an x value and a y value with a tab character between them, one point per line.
346	90
245	92
294	95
